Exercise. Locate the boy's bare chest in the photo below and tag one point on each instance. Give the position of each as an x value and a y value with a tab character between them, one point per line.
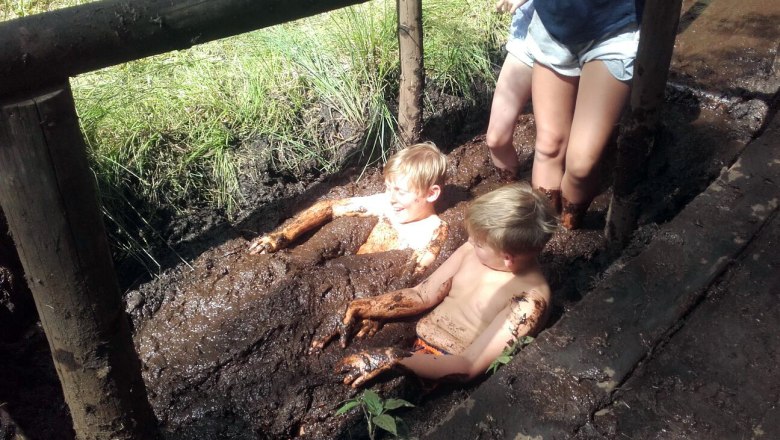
483	293
387	236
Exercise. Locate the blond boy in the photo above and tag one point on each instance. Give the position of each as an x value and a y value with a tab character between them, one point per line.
485	296
414	178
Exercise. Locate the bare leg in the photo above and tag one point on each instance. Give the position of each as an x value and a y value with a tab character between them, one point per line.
554	96
513	90
600	102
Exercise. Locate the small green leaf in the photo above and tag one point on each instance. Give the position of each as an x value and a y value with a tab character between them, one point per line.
396	403
347	406
386	422
373	402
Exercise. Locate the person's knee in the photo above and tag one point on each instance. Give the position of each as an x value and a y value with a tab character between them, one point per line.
578	173
498	139
550	145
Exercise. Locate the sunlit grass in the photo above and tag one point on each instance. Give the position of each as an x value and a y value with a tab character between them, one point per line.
167	132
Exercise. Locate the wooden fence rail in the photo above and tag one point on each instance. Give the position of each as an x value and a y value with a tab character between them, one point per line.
43	49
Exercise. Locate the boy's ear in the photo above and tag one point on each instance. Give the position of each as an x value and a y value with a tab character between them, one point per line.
509	259
433	193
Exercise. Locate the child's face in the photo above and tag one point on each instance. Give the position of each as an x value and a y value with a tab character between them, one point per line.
407	204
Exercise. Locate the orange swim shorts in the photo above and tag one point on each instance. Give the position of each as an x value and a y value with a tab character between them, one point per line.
420	346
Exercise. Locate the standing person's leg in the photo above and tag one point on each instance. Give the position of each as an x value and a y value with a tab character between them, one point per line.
600	102
513	90
554	97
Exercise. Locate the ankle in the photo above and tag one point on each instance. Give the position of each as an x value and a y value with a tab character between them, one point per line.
572	214
554	196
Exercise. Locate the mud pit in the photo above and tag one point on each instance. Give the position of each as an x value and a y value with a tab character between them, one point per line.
225	342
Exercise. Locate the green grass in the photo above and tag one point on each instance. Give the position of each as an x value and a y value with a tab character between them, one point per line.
168	132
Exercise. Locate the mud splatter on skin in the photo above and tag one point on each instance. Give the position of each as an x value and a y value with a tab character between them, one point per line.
365	365
523	324
399	304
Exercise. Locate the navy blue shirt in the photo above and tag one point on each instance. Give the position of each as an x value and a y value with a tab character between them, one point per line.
577	21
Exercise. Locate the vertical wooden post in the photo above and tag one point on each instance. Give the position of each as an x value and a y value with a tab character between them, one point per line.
48	194
656	43
410	47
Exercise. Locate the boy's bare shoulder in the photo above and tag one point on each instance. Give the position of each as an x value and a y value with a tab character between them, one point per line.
532	286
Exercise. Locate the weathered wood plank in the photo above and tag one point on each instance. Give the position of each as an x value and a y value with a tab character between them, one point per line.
47	48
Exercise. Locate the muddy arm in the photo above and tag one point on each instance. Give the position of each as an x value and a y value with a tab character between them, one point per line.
525	315
425	257
367	312
397	304
311	218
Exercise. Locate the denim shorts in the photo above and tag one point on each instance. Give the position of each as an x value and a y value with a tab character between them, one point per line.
617	50
515	45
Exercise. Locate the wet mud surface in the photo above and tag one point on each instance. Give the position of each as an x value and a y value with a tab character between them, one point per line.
225	339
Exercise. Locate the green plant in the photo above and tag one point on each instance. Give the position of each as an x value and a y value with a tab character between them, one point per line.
375	410
509	353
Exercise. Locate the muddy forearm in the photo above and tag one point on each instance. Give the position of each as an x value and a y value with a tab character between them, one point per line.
396	304
399	303
319	214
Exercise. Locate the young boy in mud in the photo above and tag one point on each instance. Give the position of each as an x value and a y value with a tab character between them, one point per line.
414	178
485	296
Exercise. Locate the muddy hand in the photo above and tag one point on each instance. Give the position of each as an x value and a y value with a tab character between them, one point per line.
329	329
267	244
363	366
334	327
368	327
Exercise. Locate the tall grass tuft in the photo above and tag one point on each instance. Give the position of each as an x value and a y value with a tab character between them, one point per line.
169	132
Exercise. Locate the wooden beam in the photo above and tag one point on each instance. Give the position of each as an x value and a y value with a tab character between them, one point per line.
651	70
412	83
49	196
46	48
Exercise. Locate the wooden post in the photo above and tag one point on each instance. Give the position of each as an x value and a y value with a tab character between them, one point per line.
410	47
49	197
656	43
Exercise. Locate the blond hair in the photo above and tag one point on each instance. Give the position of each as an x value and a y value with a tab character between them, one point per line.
514	218
423	164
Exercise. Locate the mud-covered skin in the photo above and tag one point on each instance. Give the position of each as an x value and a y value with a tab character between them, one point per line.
554	196
522	323
385	235
363	366
320	213
572	214
370	311
425	257
398	304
